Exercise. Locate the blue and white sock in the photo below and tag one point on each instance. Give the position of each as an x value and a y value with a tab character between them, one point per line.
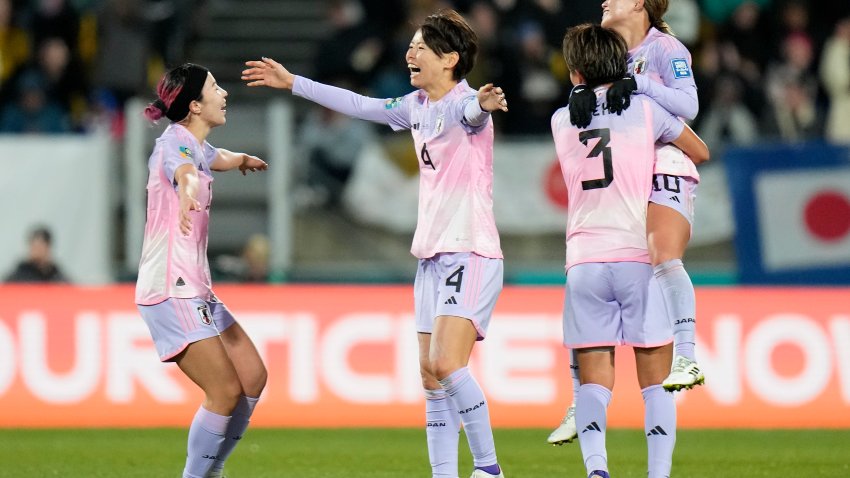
592	423
206	434
680	300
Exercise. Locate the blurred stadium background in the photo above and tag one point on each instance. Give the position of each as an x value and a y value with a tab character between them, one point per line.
313	255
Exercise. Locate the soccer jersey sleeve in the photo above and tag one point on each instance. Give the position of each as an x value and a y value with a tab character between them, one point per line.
666	127
678	92
394	112
472	117
176	153
210	153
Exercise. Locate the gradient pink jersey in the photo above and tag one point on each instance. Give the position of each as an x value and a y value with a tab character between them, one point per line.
607	168
661	65
174	265
455	162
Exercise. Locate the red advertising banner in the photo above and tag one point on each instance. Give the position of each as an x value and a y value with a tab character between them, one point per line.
345	356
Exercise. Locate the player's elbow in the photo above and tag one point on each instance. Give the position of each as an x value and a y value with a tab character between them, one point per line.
702	155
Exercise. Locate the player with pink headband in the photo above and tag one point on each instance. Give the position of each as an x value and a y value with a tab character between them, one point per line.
612	297
174	293
460	258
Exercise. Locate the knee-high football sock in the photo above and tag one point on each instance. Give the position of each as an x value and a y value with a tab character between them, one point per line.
205	438
468	398
660	428
680	300
592	423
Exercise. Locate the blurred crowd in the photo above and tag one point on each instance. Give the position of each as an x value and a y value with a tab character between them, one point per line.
766	69
69	65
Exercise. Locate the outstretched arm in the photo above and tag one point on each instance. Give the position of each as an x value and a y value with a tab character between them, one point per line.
226	160
268	72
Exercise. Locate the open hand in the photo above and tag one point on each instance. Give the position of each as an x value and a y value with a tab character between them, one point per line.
267	72
492	98
252	163
187	203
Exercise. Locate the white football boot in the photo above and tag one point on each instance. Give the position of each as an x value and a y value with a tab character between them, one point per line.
684	374
566	431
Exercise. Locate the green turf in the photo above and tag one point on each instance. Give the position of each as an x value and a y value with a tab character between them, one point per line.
353	453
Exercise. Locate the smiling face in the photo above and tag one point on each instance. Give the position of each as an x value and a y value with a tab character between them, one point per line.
211	107
426	67
618	11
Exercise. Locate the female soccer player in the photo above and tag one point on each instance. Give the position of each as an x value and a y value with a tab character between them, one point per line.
174	293
611	293
659	67
460	259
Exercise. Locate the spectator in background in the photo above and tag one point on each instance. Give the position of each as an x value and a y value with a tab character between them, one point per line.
331	143
56	18
792	90
835	75
33	111
352	49
65	82
121	66
39	265
537	89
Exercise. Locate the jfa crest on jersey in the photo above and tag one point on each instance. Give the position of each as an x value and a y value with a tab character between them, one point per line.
640	65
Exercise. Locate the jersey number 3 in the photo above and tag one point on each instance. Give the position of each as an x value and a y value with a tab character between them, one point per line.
601	147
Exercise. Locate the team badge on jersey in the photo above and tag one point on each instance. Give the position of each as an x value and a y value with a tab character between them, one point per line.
393	102
204	313
640	66
185	152
681	69
438	128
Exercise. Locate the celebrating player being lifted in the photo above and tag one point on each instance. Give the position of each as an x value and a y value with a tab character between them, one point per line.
612	297
659	67
460	259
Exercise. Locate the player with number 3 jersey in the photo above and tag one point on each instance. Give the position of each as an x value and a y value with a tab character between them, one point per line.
612	297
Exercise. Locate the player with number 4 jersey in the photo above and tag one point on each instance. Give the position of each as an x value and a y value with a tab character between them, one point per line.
460	260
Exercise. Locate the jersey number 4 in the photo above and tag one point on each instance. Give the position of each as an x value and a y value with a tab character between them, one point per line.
426	156
601	147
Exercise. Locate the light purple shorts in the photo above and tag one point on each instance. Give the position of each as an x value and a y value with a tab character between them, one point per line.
176	323
461	284
614	303
677	192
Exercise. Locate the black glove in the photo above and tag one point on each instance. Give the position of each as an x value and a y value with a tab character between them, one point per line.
620	94
582	104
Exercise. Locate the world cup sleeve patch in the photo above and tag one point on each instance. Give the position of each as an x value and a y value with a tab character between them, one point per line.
185	152
681	69
393	102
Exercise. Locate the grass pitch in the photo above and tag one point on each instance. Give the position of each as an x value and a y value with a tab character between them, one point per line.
401	453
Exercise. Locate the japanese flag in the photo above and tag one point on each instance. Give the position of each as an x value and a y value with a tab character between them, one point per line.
804	218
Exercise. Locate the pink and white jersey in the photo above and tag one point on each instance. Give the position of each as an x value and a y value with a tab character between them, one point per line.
608	169
174	265
455	163
661	65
